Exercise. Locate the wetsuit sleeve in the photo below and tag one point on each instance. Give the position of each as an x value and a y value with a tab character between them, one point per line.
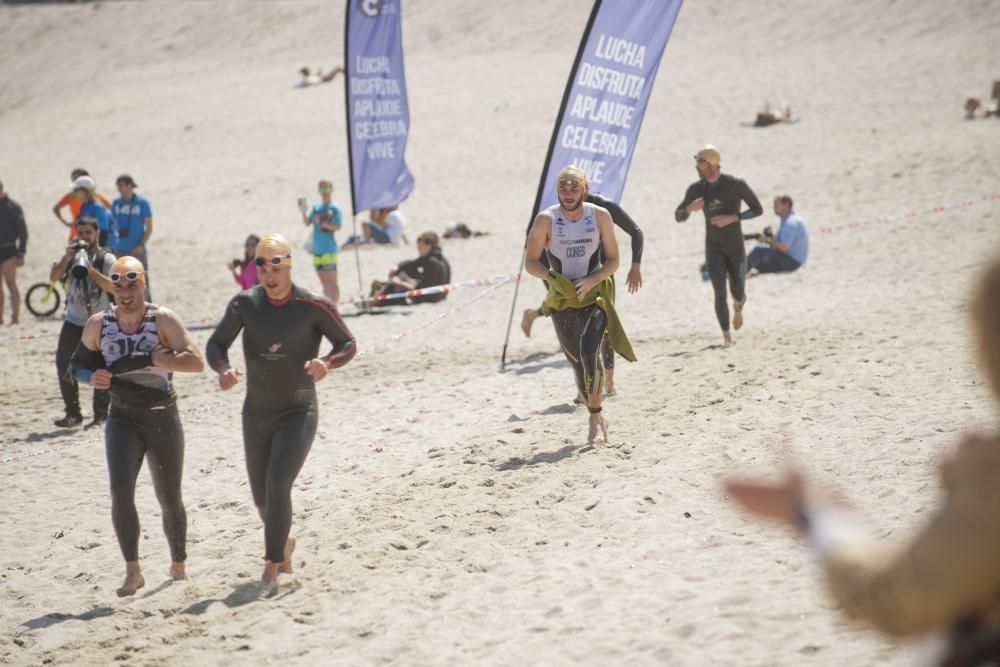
22	232
410	267
217	348
693	192
84	362
330	324
747	195
622	219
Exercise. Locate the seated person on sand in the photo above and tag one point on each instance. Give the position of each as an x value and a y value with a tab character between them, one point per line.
385	227
772	116
310	79
785	251
945	578
427	270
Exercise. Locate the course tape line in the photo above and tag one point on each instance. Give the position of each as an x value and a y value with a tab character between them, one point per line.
437	289
375	348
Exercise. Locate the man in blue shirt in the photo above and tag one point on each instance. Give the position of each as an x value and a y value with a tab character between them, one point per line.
785	251
134	220
325	218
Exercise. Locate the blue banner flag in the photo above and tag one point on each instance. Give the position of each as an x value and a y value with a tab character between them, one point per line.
607	93
378	116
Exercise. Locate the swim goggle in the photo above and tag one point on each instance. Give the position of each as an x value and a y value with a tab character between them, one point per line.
569	181
128	275
273	261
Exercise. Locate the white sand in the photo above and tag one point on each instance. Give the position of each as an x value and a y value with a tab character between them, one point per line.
447	514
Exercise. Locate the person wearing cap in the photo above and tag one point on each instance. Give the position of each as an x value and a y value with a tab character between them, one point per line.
74	201
325	218
283	326
132	349
720	197
92	207
633	281
13	243
578	240
134	223
85	295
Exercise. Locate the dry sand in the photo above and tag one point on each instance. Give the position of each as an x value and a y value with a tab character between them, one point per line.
448	514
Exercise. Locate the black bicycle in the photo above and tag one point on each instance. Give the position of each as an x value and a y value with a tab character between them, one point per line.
43	299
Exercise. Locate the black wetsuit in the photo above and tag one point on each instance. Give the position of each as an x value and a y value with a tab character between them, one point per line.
13	231
143	421
725	253
622	219
429	271
280	411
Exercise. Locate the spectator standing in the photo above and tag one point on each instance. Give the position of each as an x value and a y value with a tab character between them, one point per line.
133	219
74	202
13	242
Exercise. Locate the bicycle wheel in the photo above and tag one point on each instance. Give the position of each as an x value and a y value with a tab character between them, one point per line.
42	299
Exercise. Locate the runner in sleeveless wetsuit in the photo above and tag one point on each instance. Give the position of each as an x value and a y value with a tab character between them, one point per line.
133	348
622	219
572	235
720	196
283	326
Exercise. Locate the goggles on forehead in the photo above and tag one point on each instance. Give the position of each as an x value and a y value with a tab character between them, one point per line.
273	261
568	180
128	275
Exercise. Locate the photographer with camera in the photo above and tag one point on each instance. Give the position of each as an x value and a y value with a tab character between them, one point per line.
785	251
87	292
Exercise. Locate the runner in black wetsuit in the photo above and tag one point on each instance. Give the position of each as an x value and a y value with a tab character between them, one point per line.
575	236
133	348
720	196
634	281
283	326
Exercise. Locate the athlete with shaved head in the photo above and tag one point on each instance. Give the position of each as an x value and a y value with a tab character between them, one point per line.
133	349
283	326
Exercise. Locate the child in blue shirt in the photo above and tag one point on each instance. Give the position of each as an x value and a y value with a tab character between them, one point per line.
325	218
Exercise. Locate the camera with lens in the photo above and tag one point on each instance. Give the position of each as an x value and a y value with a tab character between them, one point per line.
768	233
81	259
236	263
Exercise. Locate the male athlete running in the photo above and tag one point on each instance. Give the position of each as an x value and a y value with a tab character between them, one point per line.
132	348
283	326
573	235
720	196
634	281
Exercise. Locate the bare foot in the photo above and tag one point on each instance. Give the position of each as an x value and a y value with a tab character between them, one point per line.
269	578
727	338
528	319
580	399
286	565
600	424
133	580
177	571
738	313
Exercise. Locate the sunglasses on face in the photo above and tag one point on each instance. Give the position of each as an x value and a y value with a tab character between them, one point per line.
129	276
325	189
273	261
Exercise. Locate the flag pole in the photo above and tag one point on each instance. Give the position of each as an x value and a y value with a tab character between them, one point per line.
350	153
545	167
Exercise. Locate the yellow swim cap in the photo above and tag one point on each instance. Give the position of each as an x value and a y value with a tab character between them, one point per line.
275	245
710	154
128	264
571	172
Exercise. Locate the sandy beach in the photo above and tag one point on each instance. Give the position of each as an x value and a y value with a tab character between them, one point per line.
450	514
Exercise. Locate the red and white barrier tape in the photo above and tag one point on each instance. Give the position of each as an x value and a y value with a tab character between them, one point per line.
436	289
